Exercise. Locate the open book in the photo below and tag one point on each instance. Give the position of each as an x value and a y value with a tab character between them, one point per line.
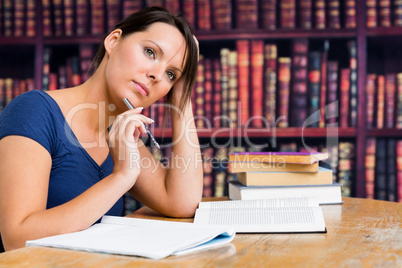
281	215
140	237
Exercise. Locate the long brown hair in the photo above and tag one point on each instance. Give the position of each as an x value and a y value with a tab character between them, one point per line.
139	22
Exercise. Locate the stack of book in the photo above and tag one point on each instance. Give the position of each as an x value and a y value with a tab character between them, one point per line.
262	175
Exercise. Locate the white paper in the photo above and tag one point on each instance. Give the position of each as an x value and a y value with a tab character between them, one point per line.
138	237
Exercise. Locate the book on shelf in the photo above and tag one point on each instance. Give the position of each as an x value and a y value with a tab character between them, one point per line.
270	69
279	157
370	167
284	74
204	14
208	84
265	178
399	170
313	88
268	14
280	215
345	167
217	93
257	81
141	237
320	16
326	194
370	99
352	47
344	97
350	14
306	14
389	100
371	13
222	15
381	170
333	14
398	107
299	82
243	63
237	167
287	13
323	83
246	14
380	101
384	13
332	94
397	12
224	61
233	92
391	170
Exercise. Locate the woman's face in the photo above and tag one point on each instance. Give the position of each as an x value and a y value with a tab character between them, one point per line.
144	66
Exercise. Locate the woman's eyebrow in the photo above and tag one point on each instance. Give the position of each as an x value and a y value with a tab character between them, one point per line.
161	51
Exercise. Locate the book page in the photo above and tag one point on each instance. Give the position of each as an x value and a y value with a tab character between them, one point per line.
153	240
261	220
263	203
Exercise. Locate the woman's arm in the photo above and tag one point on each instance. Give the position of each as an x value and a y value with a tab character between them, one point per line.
24	179
174	191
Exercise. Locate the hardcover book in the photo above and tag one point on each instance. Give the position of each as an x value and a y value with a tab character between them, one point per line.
259	178
325	193
237	167
279	157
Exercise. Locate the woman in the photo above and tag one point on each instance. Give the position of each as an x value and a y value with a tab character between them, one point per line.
62	168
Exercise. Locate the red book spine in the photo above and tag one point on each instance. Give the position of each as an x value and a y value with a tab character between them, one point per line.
30	18
222	15
268	11
217	96
97	17
350	14
288	14
129	7
19	17
332	93
270	77
389	100
68	17
299	82
370	167
112	13
8	90
319	14
385	13
208	92
247	14
371	13
399	169
204	14
284	90
344	90
243	62
189	12
397	12
86	56
370	99
399	101
333	14
47	22
207	156
257	77
306	10
380	101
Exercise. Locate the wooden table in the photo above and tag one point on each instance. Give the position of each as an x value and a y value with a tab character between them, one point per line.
361	233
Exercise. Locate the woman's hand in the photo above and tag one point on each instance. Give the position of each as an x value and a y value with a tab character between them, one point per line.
123	144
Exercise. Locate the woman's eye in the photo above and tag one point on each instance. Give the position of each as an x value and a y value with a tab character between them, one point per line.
150	52
171	75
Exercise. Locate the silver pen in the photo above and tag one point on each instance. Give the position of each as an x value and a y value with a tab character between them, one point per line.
131	107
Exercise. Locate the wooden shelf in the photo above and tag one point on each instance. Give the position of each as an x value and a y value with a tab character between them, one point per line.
384	31
262	133
73	40
385	132
29	41
274	34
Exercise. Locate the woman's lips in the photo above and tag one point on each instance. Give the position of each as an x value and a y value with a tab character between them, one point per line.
142	89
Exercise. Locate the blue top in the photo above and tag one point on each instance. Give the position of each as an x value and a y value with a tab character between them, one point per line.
37	116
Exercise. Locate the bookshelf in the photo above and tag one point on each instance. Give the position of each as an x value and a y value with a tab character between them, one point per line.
367	39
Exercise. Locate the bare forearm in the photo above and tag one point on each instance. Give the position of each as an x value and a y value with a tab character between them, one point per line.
185	175
75	215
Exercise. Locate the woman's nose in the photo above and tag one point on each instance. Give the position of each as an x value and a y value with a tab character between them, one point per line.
155	73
